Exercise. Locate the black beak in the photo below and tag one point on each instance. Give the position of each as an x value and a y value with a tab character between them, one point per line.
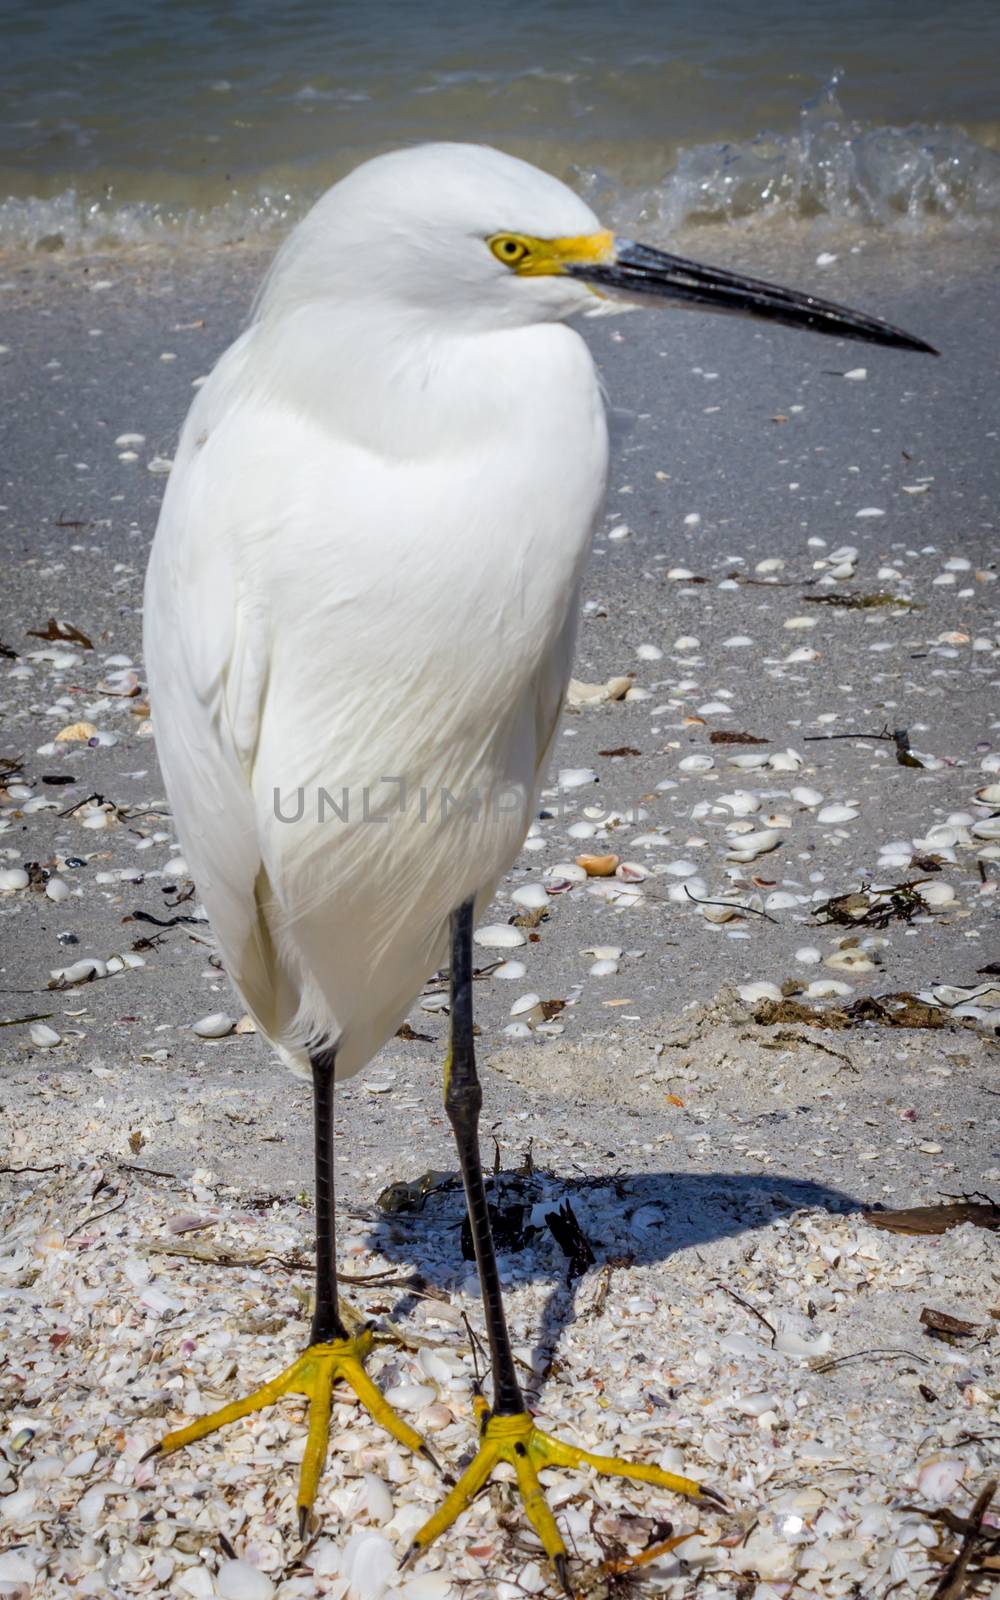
639	270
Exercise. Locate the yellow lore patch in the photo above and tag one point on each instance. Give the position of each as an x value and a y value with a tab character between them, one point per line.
535	258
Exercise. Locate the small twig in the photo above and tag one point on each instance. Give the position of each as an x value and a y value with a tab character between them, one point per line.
36	1016
98	1218
952	1582
58	1168
882	1353
886	735
752	1310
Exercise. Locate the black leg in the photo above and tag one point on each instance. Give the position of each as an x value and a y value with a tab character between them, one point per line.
326	1323
463	1098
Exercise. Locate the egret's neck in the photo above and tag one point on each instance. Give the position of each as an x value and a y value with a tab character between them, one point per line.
395	383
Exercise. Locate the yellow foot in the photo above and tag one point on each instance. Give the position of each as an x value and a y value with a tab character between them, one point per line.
527	1449
313	1375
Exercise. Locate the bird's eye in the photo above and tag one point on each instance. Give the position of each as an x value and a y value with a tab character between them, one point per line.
509	249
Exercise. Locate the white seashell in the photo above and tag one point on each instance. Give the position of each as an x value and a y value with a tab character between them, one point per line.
990	763
791	1343
748	763
238	1580
378	1498
698	763
16	1572
680	894
781	900
13	878
567	870
754	845
808	955
43	1037
754	1405
870	511
576	777
517	1030
939	1476
582	830
750	993
838	812
850	960
603	969
827	989
368	1562
197	1583
679	574
989	829
799	624
990	795
804	796
649	652
937	893
785	761
719	913
500	936
604	952
410	1396
430	1586
78	971
680	869
528	1008
122	963
631	872
57	889
215	1026
507	971
531	895
802	654
176	867
741	803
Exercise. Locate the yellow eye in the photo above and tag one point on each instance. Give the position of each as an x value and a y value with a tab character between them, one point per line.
509	249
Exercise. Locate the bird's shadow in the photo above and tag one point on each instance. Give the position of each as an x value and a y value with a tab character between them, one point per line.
625	1219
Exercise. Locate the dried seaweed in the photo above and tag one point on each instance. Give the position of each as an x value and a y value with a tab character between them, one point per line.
56	632
731	736
853	601
874	908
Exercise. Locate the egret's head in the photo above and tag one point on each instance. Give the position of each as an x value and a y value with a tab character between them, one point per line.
465	236
459	231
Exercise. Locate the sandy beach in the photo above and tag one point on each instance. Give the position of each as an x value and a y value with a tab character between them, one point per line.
798	569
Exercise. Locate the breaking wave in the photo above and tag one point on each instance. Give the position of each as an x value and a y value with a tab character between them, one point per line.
830	168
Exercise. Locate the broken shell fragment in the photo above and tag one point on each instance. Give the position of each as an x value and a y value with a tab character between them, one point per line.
594	694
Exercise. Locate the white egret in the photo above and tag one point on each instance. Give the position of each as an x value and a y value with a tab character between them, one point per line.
360	616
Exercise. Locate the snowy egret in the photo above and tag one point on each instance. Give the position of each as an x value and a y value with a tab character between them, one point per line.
360	616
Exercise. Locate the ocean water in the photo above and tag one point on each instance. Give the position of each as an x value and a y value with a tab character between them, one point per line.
223	119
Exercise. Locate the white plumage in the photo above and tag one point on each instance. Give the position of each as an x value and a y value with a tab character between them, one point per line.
365	576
